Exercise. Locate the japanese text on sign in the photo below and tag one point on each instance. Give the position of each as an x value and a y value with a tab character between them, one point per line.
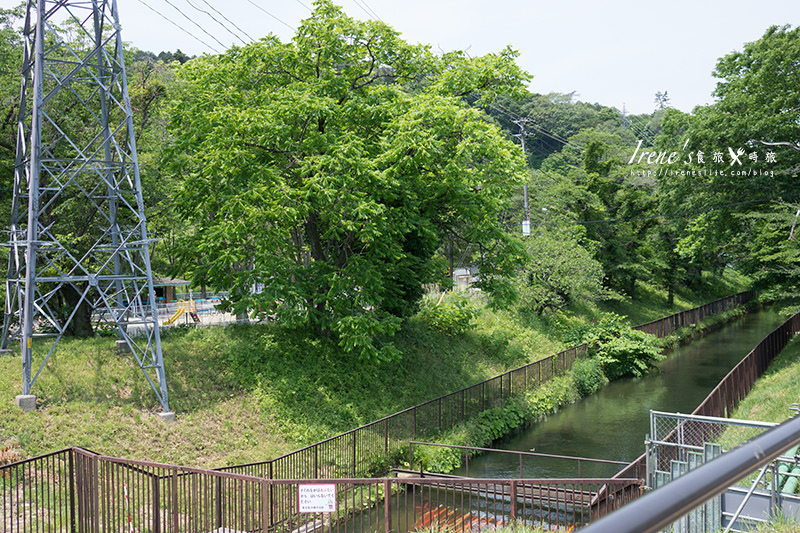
316	498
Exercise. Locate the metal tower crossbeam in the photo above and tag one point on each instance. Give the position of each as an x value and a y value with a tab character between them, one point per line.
79	249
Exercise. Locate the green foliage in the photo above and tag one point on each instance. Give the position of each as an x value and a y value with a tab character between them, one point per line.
497	422
755	112
587	376
452	315
560	271
589	182
329	169
621	350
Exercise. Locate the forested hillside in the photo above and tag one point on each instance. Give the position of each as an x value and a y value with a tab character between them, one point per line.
343	172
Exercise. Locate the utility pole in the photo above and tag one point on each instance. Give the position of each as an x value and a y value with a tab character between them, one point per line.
526	222
76	160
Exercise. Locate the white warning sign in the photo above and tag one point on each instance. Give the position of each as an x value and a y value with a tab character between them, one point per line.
317	498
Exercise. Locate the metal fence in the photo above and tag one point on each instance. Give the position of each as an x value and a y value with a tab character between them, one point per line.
372	448
76	490
740	380
569	465
368	449
721	403
691	317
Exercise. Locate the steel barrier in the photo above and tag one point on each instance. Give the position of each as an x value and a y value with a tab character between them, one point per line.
720	402
76	490
362	451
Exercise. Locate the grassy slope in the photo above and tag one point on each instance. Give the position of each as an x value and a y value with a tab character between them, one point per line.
770	400
776	391
250	393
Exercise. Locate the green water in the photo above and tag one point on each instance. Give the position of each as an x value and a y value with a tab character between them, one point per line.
612	424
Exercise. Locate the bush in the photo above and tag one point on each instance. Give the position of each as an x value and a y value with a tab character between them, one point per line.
452	315
587	376
621	350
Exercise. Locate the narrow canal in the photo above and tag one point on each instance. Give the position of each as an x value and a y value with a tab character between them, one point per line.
612	424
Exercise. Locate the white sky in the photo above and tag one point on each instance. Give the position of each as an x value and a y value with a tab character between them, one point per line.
613	52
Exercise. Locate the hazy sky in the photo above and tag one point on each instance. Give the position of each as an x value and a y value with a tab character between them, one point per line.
617	52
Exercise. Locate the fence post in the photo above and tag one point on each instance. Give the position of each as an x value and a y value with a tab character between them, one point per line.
156	505
513	497
271	494
355	456
175	501
219	502
95	487
71	465
264	505
387	504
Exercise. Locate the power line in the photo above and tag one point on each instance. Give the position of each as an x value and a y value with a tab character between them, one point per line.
271	15
216	20
198	25
368	10
229	20
514	117
187	32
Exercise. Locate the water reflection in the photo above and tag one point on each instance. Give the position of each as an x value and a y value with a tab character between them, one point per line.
613	423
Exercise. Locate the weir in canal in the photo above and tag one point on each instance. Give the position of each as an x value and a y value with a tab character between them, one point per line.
612	424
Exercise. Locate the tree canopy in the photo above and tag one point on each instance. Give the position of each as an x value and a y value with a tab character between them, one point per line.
321	175
746	198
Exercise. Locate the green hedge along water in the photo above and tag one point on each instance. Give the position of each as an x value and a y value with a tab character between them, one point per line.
612	424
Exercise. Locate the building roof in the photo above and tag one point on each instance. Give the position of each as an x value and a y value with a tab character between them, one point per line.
170	282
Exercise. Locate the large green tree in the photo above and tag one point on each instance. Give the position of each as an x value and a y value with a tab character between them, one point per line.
744	193
321	175
10	63
589	180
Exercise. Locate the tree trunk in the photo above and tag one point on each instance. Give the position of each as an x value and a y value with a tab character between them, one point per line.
81	323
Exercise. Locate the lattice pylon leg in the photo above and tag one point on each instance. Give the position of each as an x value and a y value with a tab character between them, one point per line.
79	247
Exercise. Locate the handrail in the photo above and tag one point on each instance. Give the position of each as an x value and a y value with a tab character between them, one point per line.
656	510
536	373
519	453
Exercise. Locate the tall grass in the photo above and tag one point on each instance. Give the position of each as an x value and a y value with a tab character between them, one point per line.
249	393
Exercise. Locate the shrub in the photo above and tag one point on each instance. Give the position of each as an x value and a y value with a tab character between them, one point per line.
452	315
587	376
621	350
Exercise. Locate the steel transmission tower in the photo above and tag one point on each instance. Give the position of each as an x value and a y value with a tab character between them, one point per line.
79	250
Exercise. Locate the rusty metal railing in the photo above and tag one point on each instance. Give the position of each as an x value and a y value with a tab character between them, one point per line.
76	490
667	325
573	466
371	448
720	402
740	380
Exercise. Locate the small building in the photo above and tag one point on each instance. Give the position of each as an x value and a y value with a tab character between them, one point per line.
463	278
166	288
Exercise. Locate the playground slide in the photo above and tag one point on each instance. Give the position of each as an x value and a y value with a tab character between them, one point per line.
174	317
184	307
